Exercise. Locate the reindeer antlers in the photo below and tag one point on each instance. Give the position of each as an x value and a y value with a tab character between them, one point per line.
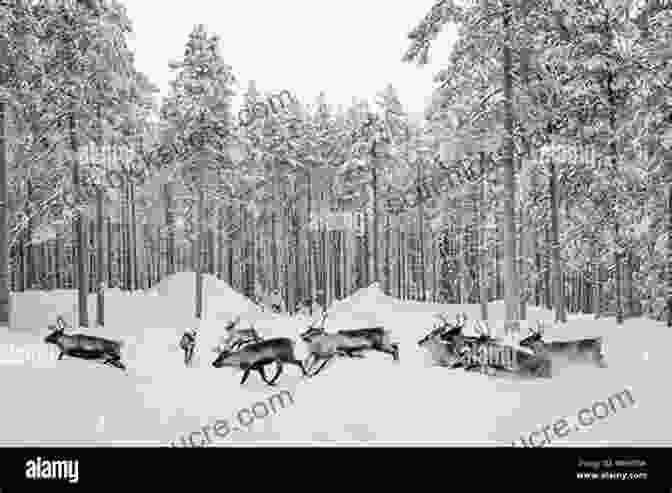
60	322
481	328
442	318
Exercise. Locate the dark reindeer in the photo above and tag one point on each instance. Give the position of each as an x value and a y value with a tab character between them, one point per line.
324	346
378	338
85	346
589	350
256	355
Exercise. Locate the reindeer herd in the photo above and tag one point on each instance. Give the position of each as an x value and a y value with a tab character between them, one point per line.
247	350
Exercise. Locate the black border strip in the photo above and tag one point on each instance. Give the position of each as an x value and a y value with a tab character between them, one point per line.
299	468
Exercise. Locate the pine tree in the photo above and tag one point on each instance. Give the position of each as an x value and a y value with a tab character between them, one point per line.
198	116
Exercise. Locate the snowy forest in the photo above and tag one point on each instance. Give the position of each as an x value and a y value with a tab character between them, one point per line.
539	177
545	147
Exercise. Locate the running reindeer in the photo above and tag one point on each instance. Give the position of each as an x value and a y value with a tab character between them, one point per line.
589	350
351	343
85	346
256	355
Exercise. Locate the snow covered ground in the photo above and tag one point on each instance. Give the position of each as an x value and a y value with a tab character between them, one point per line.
75	402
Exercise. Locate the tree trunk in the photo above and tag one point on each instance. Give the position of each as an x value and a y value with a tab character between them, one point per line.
198	246
374	183
511	286
133	237
102	278
82	245
618	277
669	249
462	293
309	241
275	250
421	230
170	226
5	299
28	248
482	217
558	292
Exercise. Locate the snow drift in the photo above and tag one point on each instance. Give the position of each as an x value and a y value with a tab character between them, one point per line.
368	400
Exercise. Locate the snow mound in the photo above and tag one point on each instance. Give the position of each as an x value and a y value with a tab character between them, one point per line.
366	301
220	301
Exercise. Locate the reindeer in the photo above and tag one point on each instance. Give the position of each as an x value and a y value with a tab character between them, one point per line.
443	353
458	351
324	346
351	343
378	338
85	346
257	355
589	350
450	347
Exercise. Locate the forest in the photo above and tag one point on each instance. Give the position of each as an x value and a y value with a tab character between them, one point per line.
540	174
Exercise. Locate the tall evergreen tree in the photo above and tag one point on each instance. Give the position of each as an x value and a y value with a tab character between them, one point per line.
198	116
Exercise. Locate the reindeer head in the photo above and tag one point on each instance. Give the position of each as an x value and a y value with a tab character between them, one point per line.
312	333
225	358
434	335
444	323
536	336
461	319
56	331
232	324
483	330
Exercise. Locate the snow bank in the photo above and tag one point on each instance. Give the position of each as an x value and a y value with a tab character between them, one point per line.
34	310
353	400
221	301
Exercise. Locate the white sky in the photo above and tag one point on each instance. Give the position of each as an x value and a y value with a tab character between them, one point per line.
346	48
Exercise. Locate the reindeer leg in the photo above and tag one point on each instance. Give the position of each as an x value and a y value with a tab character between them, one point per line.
245	375
311	359
262	372
395	347
327	360
60	356
300	365
277	374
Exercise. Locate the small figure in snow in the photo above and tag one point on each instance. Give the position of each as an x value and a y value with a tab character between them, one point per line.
276	301
307	306
188	344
